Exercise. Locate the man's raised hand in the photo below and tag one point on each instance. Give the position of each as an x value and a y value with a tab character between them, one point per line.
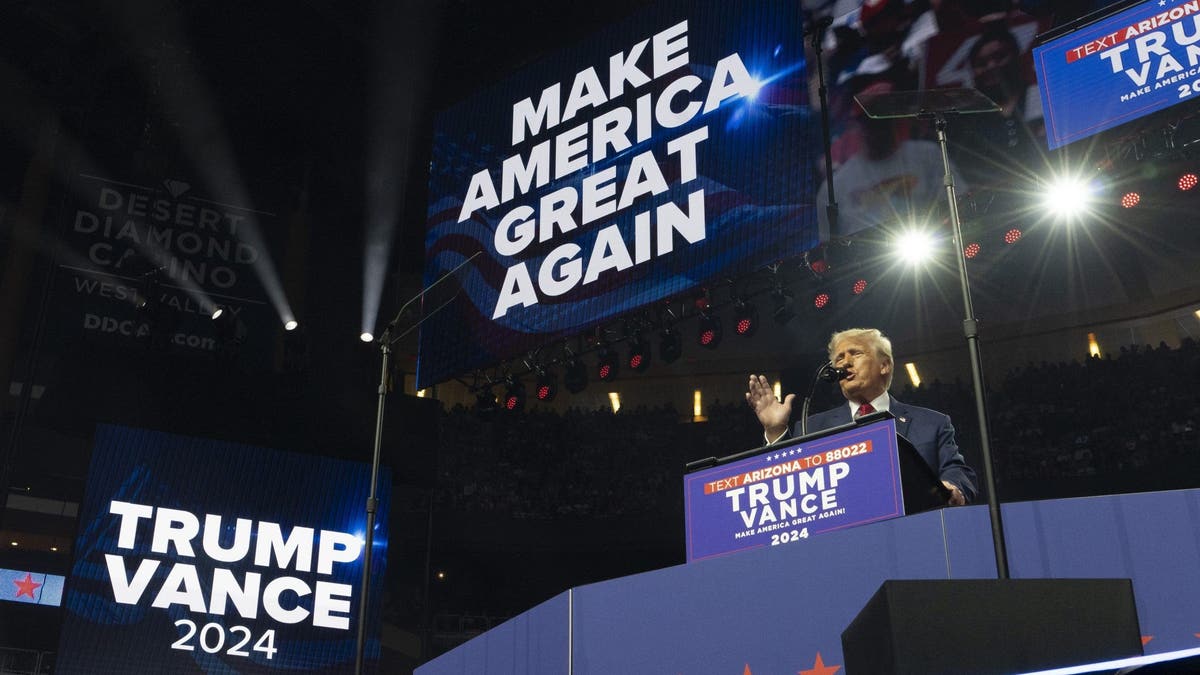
772	413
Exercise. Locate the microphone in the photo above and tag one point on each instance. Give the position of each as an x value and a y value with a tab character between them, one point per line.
817	25
831	373
827	372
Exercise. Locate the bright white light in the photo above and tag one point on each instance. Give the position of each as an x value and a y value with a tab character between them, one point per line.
366	337
915	246
615	399
1067	197
291	324
755	89
217	313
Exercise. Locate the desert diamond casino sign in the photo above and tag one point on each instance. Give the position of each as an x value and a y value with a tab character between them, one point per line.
198	556
146	261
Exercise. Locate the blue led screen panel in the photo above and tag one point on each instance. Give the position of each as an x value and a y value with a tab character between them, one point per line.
662	152
1135	62
201	556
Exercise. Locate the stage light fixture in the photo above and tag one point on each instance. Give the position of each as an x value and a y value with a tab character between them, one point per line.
366	337
821	300
546	386
575	377
745	318
708	333
1131	199
485	400
781	301
670	345
514	395
1012	236
1187	181
639	354
972	250
228	329
607	365
1067	197
915	246
290	325
859	287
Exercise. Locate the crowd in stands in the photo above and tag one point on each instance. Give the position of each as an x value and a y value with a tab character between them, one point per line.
1109	416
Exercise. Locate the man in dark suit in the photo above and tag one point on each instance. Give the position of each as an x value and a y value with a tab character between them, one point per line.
866	355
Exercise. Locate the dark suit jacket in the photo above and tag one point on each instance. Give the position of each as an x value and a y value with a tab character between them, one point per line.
930	432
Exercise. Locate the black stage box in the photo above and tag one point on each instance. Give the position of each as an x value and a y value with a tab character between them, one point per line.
983	626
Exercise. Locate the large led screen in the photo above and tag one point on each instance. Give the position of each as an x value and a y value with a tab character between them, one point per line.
198	556
1128	65
673	148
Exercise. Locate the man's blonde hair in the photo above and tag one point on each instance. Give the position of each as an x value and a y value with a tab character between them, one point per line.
873	338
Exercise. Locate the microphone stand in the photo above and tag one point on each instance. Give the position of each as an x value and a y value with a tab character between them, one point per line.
385	343
817	32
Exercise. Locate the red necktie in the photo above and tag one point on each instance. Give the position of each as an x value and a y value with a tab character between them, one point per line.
865	409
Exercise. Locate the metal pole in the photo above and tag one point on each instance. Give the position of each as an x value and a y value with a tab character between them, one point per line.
372	505
971	330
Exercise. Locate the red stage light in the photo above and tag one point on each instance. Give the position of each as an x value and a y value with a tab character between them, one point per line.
821	300
1131	199
1188	181
605	369
860	286
743	326
819	266
510	402
707	336
635	361
973	249
543	392
1012	236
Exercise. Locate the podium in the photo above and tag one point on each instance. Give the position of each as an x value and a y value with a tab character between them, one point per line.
859	473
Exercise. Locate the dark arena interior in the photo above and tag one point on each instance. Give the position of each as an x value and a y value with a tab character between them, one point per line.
527	254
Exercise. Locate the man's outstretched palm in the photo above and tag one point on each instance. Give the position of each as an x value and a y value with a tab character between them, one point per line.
771	412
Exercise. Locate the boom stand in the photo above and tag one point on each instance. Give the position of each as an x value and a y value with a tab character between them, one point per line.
385	348
936	104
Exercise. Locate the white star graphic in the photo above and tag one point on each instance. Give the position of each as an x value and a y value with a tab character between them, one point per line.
1162	3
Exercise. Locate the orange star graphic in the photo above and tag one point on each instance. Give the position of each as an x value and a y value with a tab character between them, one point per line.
26	586
1146	638
819	668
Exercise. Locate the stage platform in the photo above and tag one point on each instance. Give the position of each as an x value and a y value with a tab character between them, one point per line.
782	609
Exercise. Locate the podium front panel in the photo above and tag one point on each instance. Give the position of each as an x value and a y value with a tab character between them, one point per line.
790	492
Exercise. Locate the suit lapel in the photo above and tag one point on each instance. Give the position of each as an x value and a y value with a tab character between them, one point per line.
903	416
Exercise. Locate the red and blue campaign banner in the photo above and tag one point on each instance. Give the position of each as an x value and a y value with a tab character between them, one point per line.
1133	63
200	556
667	150
793	491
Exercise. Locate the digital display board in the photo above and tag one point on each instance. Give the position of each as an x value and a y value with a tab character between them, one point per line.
198	556
673	148
1128	65
33	588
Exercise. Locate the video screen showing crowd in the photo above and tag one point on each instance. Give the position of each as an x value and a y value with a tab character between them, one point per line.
890	171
